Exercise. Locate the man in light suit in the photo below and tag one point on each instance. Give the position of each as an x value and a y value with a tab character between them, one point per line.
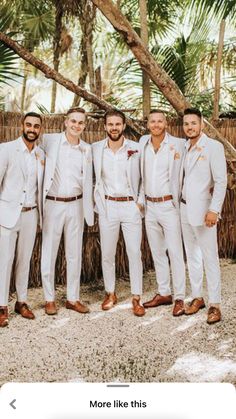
160	164
117	169
67	199
21	176
204	181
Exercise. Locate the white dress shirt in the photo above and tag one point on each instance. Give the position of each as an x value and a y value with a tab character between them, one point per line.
68	176
156	170
31	175
189	156
114	171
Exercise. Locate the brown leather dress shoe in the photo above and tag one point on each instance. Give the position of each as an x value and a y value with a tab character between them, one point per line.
158	300
50	308
138	308
194	306
77	306
178	309
109	301
213	315
3	316
24	310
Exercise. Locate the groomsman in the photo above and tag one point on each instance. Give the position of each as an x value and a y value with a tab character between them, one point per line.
67	200
117	169
204	181
21	175
160	165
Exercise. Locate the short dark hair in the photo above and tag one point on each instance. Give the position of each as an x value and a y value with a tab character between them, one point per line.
34	114
114	112
72	110
193	111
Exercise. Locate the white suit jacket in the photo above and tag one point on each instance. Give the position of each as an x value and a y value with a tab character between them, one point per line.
50	144
132	170
13	182
206	180
176	153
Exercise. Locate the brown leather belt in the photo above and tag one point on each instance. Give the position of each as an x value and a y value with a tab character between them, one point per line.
160	198
25	209
183	200
119	198
56	198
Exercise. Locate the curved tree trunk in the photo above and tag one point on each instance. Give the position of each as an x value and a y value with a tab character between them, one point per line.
56	51
157	74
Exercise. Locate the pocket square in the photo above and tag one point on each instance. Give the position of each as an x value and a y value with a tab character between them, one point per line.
202	158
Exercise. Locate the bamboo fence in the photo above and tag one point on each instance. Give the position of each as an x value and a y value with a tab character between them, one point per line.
10	128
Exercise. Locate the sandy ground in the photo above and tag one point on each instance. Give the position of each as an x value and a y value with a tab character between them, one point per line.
116	346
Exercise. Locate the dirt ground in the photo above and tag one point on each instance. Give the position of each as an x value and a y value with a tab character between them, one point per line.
116	346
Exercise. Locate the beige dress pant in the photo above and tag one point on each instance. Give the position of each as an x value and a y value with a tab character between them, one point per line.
21	239
164	233
127	216
62	218
201	248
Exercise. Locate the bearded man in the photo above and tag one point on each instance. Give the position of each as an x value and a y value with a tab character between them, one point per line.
117	169
21	175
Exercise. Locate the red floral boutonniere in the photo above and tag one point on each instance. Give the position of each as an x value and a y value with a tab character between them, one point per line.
130	153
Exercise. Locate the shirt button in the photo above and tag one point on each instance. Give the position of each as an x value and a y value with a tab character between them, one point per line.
24	191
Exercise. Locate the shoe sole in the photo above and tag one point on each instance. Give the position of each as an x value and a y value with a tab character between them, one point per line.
178	314
25	317
108	308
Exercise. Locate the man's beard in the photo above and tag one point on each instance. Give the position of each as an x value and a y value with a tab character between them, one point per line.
117	136
30	140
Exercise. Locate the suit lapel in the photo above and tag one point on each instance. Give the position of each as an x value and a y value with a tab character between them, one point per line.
171	155
20	157
143	155
199	149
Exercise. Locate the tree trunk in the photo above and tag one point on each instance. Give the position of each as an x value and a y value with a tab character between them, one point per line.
218	70
145	77
68	84
83	72
56	52
23	91
159	77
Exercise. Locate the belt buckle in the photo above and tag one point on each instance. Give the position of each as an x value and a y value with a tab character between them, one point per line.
162	199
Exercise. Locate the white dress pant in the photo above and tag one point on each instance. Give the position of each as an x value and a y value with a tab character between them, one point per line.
164	233
67	218
23	233
201	248
127	216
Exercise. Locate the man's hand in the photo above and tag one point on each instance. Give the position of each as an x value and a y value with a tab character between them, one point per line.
211	219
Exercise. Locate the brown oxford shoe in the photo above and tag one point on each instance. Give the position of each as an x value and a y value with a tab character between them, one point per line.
109	301
194	306
178	309
50	308
158	300
77	306
213	315
3	316
138	308
24	310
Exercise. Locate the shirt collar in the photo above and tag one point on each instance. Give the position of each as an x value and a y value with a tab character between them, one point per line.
65	141
198	143
25	148
123	145
164	141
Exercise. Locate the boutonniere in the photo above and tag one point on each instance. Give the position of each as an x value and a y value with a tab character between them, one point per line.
176	156
172	147
130	153
199	148
202	158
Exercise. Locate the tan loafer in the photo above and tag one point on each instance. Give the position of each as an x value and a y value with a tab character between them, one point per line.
158	300
109	301
178	309
213	315
77	306
24	310
194	306
50	308
3	316
138	308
